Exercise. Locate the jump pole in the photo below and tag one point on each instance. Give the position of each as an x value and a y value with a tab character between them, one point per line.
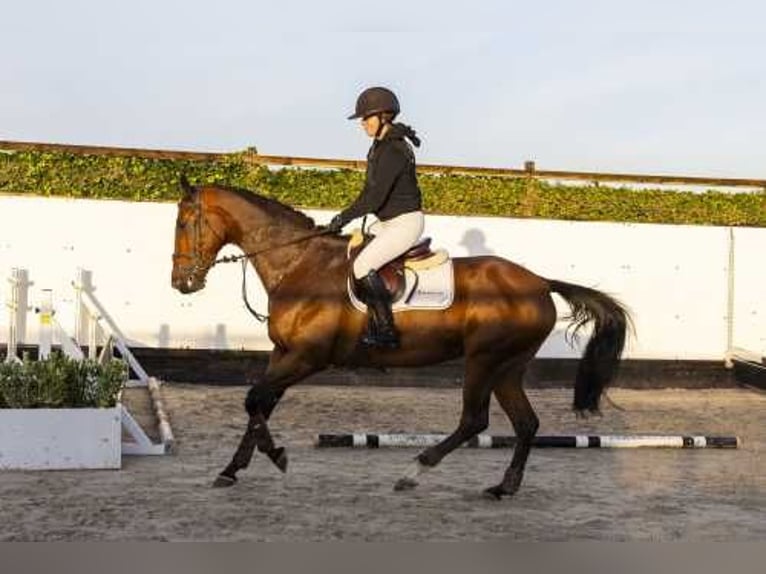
374	440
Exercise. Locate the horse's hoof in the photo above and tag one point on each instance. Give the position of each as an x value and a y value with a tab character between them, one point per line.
497	492
585	414
405	484
223	481
279	457
508	487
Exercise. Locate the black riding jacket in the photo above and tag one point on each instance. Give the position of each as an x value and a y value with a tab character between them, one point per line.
391	188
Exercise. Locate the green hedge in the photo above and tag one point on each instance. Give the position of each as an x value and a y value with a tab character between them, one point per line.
131	178
61	382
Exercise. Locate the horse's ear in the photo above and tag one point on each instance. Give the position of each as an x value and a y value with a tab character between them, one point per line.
186	187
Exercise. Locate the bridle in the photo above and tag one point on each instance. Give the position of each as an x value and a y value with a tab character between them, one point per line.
197	264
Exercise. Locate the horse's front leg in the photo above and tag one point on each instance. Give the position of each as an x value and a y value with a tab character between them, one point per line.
284	370
257	435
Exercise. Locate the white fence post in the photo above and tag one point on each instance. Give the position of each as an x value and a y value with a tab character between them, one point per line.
17	304
90	312
86	327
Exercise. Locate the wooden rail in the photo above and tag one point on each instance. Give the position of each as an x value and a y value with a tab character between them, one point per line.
253	157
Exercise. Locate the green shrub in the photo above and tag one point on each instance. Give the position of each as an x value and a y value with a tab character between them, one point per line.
140	179
61	382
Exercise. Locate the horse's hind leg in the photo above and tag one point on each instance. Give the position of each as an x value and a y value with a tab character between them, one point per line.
473	420
511	396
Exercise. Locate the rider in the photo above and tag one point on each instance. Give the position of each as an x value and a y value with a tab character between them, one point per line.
392	194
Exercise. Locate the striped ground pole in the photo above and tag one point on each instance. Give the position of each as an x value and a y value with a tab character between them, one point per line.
375	440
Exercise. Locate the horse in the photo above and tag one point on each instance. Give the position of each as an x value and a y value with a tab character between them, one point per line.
500	316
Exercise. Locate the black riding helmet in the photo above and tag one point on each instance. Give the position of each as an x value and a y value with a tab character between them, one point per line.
375	100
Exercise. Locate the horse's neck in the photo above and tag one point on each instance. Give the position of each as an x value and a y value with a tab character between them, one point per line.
268	236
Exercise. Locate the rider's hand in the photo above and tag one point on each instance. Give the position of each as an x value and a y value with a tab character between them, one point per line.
335	225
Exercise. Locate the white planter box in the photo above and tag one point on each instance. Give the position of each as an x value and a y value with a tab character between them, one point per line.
57	439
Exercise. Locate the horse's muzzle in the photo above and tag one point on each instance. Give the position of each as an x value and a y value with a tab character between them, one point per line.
186	283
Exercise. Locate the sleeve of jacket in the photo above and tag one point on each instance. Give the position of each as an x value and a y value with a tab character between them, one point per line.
388	167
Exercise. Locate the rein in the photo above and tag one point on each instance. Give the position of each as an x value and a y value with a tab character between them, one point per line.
260	317
243	256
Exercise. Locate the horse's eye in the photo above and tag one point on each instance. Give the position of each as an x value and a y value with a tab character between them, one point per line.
181	225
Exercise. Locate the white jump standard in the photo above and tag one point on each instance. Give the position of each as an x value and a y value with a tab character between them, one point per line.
95	328
374	440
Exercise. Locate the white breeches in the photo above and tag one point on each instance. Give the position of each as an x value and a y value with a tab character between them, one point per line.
392	238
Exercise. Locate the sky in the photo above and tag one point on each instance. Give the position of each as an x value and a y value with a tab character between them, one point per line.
645	86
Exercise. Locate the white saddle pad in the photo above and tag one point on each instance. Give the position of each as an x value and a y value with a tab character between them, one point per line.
432	288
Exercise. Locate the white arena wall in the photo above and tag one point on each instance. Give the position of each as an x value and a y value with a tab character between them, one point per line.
677	280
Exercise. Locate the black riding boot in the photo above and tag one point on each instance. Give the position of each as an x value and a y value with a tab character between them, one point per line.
380	324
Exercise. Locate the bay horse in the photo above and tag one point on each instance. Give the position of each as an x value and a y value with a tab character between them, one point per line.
501	315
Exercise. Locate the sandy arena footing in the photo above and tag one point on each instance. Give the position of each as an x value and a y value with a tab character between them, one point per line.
347	494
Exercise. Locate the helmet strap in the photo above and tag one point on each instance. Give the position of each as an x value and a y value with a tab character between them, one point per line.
381	124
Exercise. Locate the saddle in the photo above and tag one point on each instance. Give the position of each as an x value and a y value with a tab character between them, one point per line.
419	256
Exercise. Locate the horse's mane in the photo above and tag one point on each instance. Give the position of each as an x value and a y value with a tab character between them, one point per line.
271	206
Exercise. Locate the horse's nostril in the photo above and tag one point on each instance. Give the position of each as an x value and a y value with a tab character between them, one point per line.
182	282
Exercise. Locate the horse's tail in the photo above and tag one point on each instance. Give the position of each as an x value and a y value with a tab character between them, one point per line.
598	366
